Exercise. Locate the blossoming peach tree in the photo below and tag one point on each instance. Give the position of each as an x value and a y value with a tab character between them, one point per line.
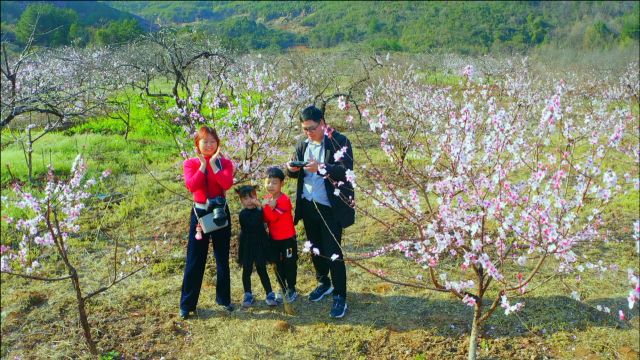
498	181
38	236
253	112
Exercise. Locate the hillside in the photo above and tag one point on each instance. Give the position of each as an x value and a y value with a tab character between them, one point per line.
76	23
477	27
90	13
463	27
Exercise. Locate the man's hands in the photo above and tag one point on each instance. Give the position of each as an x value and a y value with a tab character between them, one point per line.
312	166
292	168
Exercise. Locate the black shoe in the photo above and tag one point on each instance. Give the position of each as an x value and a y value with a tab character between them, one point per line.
184	314
339	307
320	291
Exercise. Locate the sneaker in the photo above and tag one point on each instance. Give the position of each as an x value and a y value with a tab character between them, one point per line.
290	296
248	299
339	307
184	314
319	292
279	298
271	299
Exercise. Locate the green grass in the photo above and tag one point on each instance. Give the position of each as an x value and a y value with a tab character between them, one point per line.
139	316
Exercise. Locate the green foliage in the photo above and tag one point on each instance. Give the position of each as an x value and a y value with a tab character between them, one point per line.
464	27
52	28
78	35
631	24
598	35
102	126
242	34
75	23
118	32
111	355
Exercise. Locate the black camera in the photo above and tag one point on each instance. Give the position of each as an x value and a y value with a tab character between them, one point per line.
217	208
296	163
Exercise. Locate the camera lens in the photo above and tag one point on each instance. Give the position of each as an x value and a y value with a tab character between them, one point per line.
219	216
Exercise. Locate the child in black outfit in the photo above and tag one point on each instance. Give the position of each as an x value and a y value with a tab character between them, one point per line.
253	245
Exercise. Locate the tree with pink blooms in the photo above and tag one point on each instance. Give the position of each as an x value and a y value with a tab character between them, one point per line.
43	232
505	185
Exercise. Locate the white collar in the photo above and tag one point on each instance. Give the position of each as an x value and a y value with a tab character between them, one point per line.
314	143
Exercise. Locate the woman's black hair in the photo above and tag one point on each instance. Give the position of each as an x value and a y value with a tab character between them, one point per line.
275	172
311	113
246	190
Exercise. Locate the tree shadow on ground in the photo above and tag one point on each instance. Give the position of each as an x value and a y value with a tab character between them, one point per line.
541	315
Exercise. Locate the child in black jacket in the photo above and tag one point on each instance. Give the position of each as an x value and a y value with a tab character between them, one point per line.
253	245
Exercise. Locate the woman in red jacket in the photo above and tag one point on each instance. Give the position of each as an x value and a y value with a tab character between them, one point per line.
207	176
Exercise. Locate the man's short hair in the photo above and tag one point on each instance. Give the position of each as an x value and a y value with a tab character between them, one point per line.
311	113
275	172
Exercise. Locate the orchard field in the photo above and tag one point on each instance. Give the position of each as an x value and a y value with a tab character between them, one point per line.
496	202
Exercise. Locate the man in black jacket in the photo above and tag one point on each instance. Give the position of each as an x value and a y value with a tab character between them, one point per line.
324	200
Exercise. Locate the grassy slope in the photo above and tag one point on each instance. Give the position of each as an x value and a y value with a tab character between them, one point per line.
139	316
385	321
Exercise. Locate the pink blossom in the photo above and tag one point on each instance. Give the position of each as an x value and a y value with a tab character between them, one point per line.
469	301
339	154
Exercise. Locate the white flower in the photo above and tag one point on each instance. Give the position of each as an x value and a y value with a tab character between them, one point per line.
315	251
334	257
575	295
307	246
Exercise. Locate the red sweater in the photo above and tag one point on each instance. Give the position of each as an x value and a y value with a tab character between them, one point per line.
216	183
280	220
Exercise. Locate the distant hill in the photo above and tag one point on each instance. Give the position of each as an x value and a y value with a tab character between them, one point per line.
91	13
465	27
78	23
468	27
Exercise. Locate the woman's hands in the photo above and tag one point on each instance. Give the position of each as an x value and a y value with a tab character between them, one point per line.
212	161
203	161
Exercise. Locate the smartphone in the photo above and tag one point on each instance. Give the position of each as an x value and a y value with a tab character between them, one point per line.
297	163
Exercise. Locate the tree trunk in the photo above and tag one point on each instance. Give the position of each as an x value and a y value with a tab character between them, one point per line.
84	322
29	156
475	327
